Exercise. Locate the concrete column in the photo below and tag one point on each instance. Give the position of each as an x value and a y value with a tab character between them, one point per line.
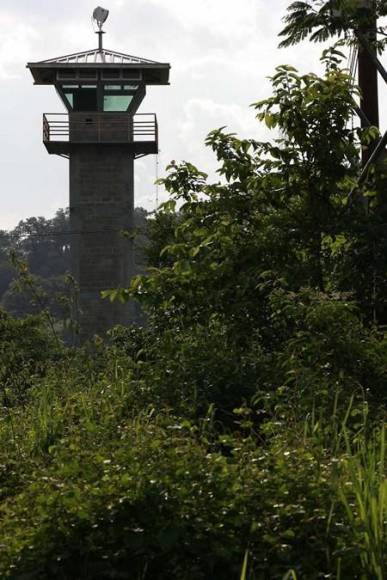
101	210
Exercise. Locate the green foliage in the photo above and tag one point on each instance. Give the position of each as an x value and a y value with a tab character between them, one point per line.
364	497
319	20
26	347
328	351
241	433
279	214
109	493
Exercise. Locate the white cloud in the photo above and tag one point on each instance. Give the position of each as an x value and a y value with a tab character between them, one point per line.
224	18
16	41
221	52
200	116
9	220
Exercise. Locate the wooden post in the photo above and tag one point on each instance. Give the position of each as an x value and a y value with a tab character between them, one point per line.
368	74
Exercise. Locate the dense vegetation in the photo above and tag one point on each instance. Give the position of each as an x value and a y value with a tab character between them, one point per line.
241	434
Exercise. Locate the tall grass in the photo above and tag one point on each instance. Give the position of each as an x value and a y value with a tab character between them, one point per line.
361	485
354	449
244	566
363	493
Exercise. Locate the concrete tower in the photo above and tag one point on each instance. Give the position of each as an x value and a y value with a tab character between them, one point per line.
101	135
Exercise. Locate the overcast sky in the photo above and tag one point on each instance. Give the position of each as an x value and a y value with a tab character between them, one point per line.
221	53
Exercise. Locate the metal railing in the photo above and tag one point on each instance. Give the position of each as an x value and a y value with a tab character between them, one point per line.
100	127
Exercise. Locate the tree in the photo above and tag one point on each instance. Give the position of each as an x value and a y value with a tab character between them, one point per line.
357	21
45	244
227	294
6	270
278	207
320	20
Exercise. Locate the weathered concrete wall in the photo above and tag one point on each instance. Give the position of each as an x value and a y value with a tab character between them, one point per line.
101	209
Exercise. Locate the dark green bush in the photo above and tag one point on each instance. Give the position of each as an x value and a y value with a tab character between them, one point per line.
26	348
160	501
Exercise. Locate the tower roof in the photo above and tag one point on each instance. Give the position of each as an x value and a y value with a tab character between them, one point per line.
97	56
45	72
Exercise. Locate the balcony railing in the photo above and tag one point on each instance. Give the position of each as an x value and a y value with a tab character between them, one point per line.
139	132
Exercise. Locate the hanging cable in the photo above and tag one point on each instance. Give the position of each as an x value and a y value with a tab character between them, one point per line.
349	61
157	181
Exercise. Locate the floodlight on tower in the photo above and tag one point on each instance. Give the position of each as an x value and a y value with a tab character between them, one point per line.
100	16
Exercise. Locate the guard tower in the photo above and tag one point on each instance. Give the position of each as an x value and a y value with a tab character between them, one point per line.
101	135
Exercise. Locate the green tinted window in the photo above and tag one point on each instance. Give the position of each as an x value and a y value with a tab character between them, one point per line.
70	99
116	102
81	97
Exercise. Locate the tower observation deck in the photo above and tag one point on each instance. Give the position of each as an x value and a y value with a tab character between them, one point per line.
101	134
